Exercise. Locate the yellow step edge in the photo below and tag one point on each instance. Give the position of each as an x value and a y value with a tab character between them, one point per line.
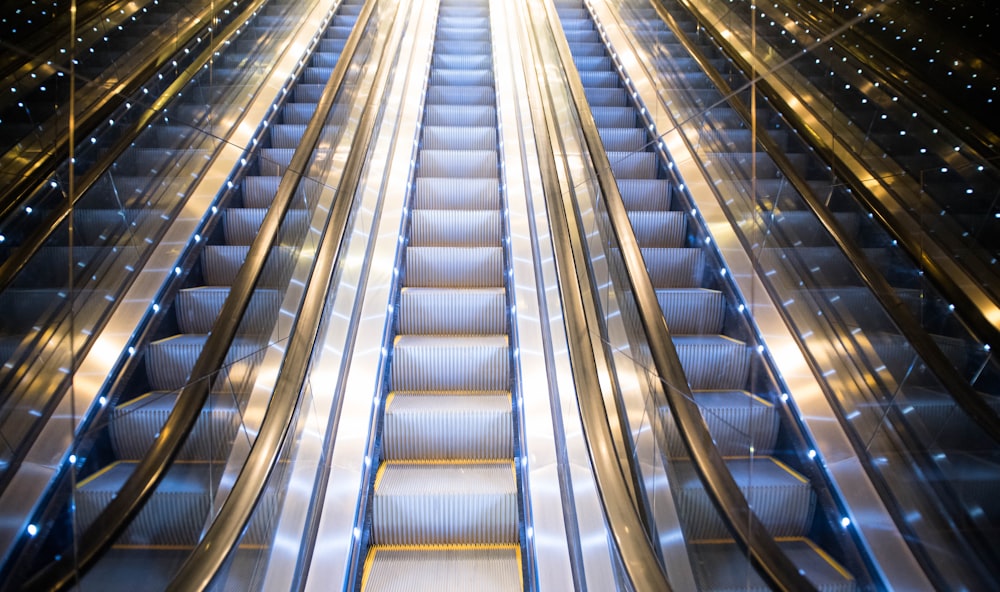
777	462
449	462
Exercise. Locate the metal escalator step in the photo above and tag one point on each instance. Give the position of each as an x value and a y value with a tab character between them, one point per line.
316	75
623	139
659	229
422	426
480	11
460	95
455	267
440	76
439	137
739	164
607	97
603	80
101	226
737	420
633	165
197	308
692	311
568	13
461	115
174	515
458	163
821	569
449	503
675	267
450	363
455	228
460	61
324	60
287	135
452	569
462	22
221	263
259	191
274	161
645	194
593	63
614	116
579	36
592	49
457	41
309	93
445	193
433	311
780	497
803	228
298	113
137	423
240	225
121	567
714	362
169	361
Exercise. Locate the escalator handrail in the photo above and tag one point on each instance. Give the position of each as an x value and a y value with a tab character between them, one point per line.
204	562
966	307
773	565
150	471
637	556
24	253
34	175
923	344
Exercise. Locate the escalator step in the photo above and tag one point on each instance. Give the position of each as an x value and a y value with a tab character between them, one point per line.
821	569
633	165
137	423
460	61
197	309
450	363
456	267
241	225
460	95
781	498
287	135
737	420
221	264
454	569
444	193
645	194
455	228
440	76
623	139
614	116
474	425
675	268
606	97
692	311
714	362
447	503
259	191
461	115
458	163
274	161
432	311
169	361
593	63
662	229
439	137
460	41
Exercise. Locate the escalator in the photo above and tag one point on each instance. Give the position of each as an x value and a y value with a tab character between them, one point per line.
162	535
445	498
720	365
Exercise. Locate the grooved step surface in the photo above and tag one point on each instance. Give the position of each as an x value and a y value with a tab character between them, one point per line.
424	426
393	569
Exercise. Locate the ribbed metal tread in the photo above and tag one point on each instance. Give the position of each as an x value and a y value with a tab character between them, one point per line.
674	267
441	503
714	362
258	190
445	193
221	263
174	514
450	363
458	163
623	139
455	228
659	229
691	311
456	267
633	165
821	569
448	426
737	420
780	497
241	225
436	311
612	116
461	115
441	137
645	194
443	569
459	95
197	309
137	423
169	361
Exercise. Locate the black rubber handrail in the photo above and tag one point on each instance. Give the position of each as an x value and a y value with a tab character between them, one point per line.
971	402
635	550
750	534
33	174
966	308
204	562
150	471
